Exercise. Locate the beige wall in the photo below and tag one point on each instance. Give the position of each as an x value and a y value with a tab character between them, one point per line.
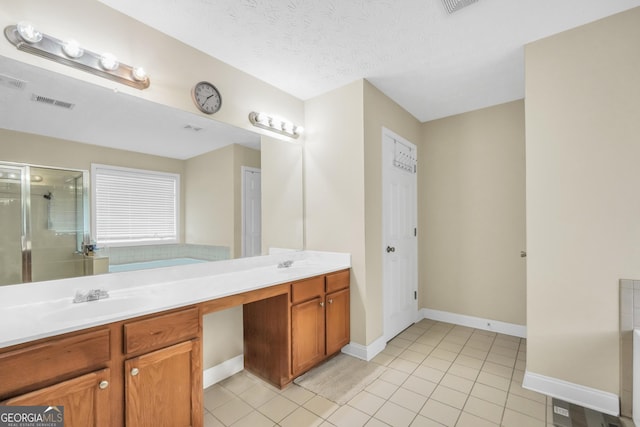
472	214
379	112
583	209
334	187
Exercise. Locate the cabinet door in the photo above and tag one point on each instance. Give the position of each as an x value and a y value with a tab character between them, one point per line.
307	334
338	326
159	389
85	399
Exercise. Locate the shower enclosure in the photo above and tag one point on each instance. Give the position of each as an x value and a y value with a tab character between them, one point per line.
44	222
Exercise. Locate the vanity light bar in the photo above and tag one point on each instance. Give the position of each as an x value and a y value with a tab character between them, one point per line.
275	124
28	39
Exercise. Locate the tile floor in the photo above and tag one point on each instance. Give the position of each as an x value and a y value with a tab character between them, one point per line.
438	374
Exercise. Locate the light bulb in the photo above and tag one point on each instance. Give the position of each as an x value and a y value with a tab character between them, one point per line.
298	130
109	62
72	49
28	32
139	74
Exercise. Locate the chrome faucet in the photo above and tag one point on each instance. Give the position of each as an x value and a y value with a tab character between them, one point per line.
285	264
90	295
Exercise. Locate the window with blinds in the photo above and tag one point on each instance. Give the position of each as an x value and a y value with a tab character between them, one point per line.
134	206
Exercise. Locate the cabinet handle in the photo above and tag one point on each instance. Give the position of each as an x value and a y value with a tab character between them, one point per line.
322	304
331	301
103	385
134	372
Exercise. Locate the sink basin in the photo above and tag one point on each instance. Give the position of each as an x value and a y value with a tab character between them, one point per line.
66	310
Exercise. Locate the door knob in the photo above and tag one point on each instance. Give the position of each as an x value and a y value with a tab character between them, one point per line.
330	301
134	372
322	304
390	249
523	254
103	385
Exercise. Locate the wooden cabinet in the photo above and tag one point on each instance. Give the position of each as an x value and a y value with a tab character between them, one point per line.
319	328
140	372
85	399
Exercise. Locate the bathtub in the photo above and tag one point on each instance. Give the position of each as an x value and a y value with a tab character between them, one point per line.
144	265
636	377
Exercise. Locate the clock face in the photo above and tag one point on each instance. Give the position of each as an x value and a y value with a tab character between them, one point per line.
206	97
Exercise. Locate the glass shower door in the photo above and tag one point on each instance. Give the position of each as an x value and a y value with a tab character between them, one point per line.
13	256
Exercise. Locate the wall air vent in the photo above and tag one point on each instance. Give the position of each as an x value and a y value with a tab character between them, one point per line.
12	82
456	5
50	101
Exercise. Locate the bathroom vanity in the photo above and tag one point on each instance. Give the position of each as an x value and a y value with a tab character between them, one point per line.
141	364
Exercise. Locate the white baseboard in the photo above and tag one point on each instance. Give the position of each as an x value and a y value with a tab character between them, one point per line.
588	397
475	322
365	352
224	370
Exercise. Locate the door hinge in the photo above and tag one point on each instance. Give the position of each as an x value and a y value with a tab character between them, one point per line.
415	294
415	232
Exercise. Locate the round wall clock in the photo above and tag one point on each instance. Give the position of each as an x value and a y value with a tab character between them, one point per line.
206	97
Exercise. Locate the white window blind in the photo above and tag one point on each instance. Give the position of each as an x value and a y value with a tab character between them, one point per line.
134	206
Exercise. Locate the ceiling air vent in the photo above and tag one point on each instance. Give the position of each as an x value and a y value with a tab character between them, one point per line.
456	5
51	101
12	82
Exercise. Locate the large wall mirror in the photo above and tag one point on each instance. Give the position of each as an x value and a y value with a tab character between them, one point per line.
240	192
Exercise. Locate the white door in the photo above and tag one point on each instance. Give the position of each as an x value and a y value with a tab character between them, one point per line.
251	212
399	235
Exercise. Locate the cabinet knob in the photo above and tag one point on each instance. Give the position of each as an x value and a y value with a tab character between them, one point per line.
103	385
322	304
331	301
134	372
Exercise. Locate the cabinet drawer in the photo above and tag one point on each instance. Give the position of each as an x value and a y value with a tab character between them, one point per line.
307	289
52	360
161	330
337	281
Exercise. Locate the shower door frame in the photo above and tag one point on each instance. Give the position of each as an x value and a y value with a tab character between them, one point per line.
25	214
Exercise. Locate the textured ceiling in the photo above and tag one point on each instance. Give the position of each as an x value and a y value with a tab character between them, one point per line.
431	63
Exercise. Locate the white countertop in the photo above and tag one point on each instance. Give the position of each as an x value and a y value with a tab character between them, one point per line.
31	311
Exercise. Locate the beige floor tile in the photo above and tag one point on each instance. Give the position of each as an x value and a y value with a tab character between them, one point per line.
483	344
232	411
374	422
483	409
297	394
444	414
408	399
429	373
507	341
211	421
493	380
381	388
395	415
518	376
403	365
321	406
457	383
421	348
258	395
525	406
429	339
496	369
422	421
435	362
419	385
412	356
400	342
278	408
215	396
411	334
347	416
449	356
470	420
474	352
254	419
238	383
501	360
450	346
383	359
471	362
464	371
504	351
300	418
517	389
367	402
449	396
490	394
394	376
516	419
392	350
521	364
